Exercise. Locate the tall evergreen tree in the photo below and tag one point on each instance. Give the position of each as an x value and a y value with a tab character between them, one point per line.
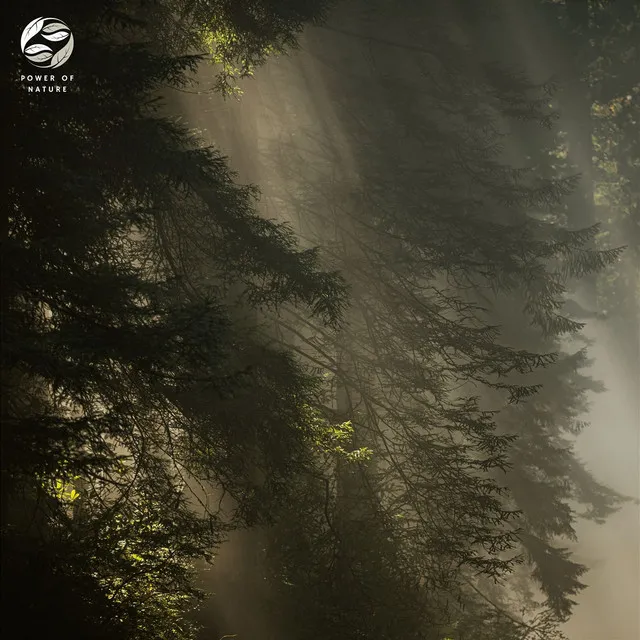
136	366
128	372
546	478
442	241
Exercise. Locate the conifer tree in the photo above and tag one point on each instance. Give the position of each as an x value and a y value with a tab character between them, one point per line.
443	242
128	373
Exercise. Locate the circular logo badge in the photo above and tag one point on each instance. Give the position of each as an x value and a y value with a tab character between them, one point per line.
47	43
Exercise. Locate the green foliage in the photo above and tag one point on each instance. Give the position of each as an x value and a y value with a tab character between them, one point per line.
134	369
434	456
333	439
236	36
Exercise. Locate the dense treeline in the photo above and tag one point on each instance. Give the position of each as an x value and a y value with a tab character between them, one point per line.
130	366
443	243
397	406
591	54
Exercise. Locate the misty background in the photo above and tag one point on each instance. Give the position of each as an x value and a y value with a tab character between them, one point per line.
271	119
322	319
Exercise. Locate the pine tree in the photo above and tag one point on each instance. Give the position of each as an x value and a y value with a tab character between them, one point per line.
128	374
547	478
442	242
236	36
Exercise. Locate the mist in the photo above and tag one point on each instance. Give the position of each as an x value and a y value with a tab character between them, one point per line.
611	449
285	117
320	319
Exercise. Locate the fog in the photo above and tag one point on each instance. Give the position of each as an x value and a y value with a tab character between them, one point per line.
611	449
610	446
269	133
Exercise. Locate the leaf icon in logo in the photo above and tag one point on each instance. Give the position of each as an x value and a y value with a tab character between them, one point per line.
37	48
54	26
55	31
31	30
63	55
41	57
57	36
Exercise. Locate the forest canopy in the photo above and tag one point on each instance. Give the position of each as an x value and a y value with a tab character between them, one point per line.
389	390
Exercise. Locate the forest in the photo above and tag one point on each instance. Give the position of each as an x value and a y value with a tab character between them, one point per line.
305	305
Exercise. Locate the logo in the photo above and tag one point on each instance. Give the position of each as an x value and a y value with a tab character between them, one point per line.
47	43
